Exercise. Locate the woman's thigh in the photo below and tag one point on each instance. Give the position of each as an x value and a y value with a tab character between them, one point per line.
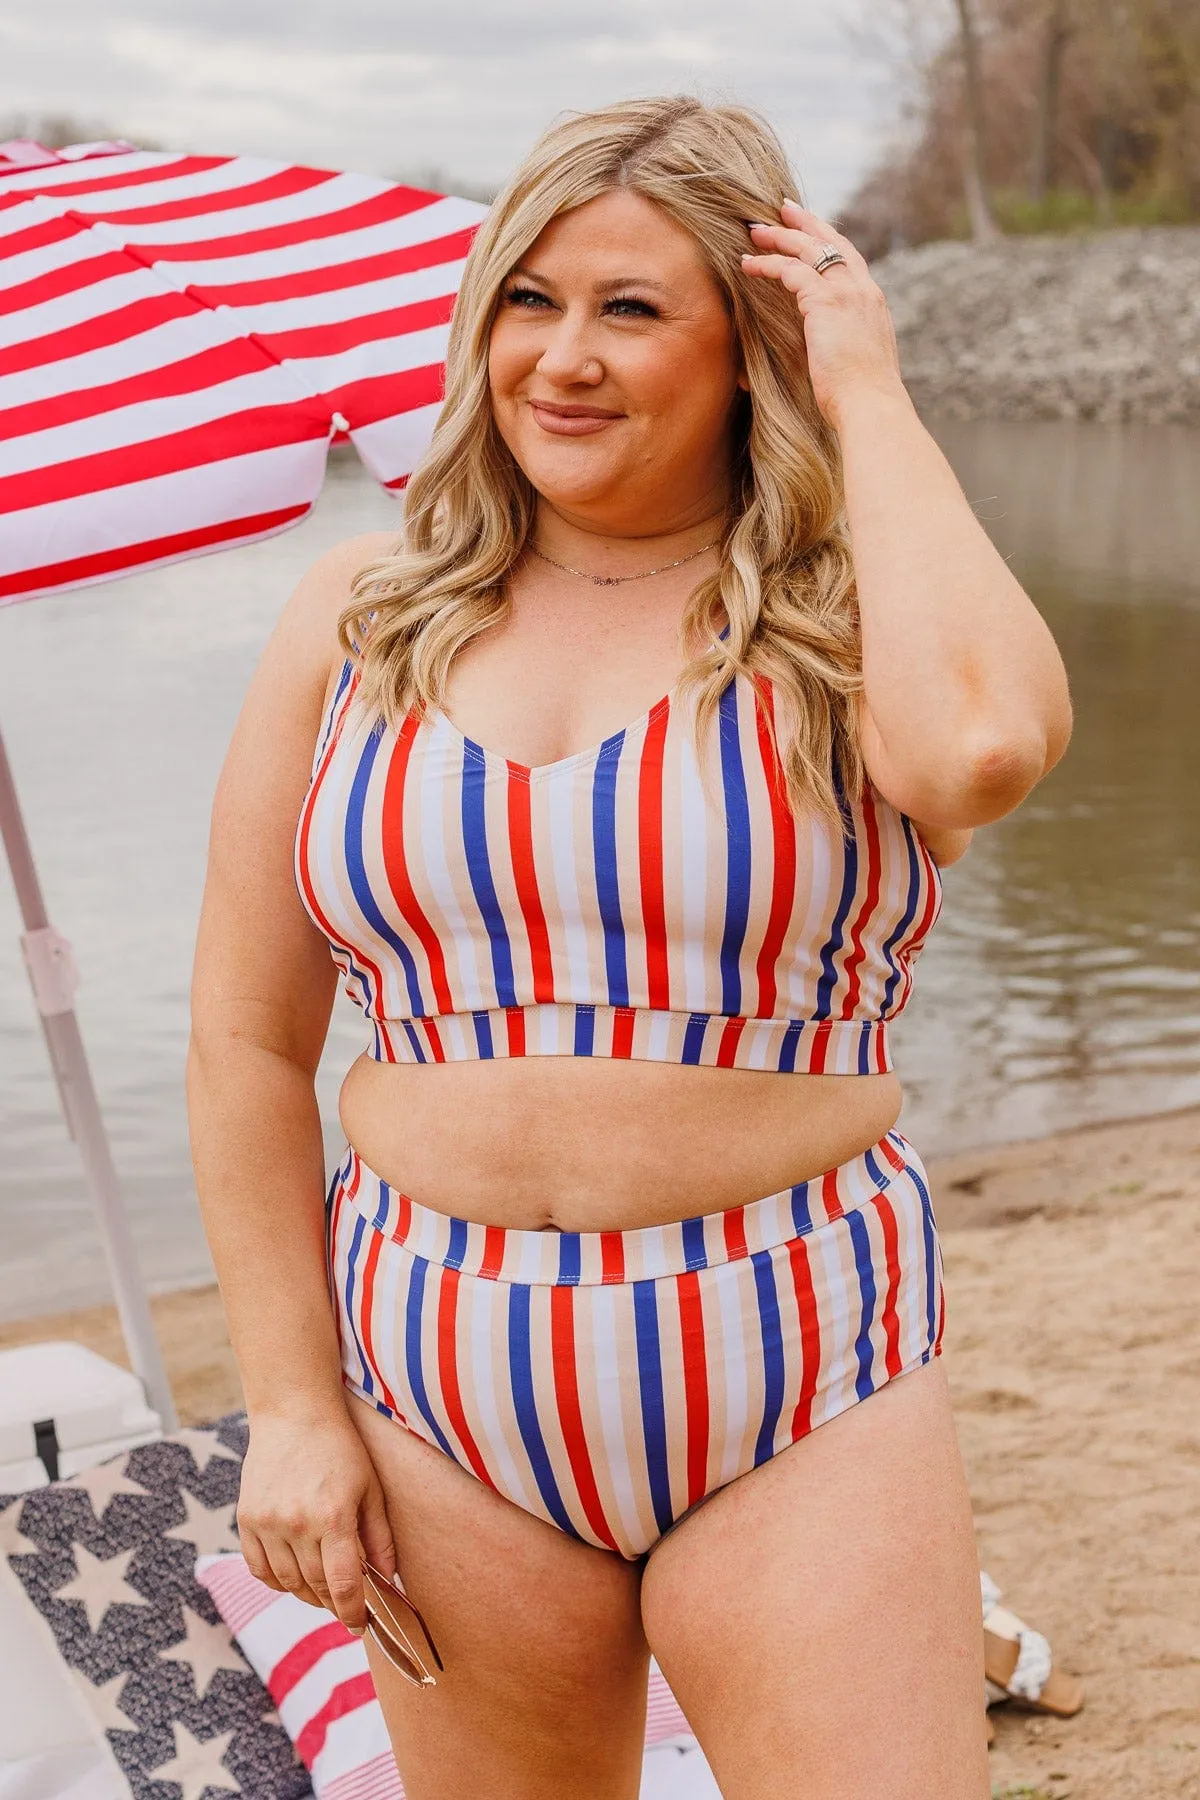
544	1691
819	1617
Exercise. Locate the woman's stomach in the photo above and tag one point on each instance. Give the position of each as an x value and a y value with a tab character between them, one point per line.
588	1144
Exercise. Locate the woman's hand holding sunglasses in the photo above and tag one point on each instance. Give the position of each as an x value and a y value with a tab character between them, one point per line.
311	1508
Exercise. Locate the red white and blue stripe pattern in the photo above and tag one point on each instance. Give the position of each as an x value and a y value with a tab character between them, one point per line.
613	903
318	1677
608	1381
182	336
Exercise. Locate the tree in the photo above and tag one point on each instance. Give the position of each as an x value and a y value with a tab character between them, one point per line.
1092	117
975	181
1042	168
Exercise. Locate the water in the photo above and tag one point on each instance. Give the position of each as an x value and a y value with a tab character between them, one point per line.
1061	986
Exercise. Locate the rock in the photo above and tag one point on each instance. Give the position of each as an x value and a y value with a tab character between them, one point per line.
1104	325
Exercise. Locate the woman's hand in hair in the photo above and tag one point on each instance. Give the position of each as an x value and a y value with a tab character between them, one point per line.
848	329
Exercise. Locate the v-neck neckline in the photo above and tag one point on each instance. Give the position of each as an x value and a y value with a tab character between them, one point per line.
607	746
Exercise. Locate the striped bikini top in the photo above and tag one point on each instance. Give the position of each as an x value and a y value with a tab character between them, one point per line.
610	903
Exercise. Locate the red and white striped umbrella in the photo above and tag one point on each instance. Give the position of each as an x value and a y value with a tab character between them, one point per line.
182	336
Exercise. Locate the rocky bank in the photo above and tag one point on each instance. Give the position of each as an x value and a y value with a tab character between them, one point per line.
1099	326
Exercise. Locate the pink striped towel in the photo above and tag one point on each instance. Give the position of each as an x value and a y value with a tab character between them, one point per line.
317	1675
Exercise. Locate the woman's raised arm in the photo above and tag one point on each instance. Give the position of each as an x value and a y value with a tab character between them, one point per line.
965	695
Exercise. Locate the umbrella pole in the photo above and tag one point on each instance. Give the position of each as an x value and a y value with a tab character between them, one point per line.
53	978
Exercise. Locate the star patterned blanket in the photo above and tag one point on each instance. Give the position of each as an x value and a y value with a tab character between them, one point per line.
108	1560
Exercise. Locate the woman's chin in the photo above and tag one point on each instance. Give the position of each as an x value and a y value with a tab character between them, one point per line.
576	489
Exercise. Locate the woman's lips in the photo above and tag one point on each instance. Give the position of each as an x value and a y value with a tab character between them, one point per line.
571	421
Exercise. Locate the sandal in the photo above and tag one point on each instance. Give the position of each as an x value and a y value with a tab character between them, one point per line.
1018	1665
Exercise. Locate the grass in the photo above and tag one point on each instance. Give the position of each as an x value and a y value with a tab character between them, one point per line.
1066	210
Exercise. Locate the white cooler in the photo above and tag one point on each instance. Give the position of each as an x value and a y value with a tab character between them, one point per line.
62	1409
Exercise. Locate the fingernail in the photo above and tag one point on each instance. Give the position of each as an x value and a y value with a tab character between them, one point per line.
398	1584
357	1630
757	225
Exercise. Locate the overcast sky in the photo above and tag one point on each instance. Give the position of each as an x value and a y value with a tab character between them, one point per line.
457	86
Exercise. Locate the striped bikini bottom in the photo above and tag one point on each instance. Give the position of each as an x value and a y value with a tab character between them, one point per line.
610	1381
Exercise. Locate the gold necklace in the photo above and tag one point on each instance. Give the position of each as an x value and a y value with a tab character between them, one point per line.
615	580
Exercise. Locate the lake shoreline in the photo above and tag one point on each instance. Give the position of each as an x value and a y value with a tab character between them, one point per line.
1070	1325
1098	325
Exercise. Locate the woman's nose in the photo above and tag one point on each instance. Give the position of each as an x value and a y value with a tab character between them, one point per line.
569	354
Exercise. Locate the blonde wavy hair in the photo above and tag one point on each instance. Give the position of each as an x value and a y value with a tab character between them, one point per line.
786	577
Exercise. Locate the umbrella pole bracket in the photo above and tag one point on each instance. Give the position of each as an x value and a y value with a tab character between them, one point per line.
53	971
54	977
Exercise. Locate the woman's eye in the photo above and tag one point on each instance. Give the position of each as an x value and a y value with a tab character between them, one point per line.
627	307
527	297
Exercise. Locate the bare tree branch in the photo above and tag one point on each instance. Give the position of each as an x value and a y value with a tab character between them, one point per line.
1057	30
975	183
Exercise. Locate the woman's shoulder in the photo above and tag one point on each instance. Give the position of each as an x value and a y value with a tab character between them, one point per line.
322	595
324	588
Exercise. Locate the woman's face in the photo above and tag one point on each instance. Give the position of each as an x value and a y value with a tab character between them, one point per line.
614	369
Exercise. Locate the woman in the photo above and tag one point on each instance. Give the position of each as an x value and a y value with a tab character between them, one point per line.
623	1216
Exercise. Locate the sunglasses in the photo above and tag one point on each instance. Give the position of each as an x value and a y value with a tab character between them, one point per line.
390	1616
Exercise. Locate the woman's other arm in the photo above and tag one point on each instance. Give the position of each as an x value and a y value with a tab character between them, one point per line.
965	696
263	987
965	705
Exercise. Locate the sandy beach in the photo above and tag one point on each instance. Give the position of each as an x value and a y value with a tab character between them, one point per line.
1072	1350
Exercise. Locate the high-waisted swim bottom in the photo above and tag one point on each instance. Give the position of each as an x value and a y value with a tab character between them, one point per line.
609	1381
